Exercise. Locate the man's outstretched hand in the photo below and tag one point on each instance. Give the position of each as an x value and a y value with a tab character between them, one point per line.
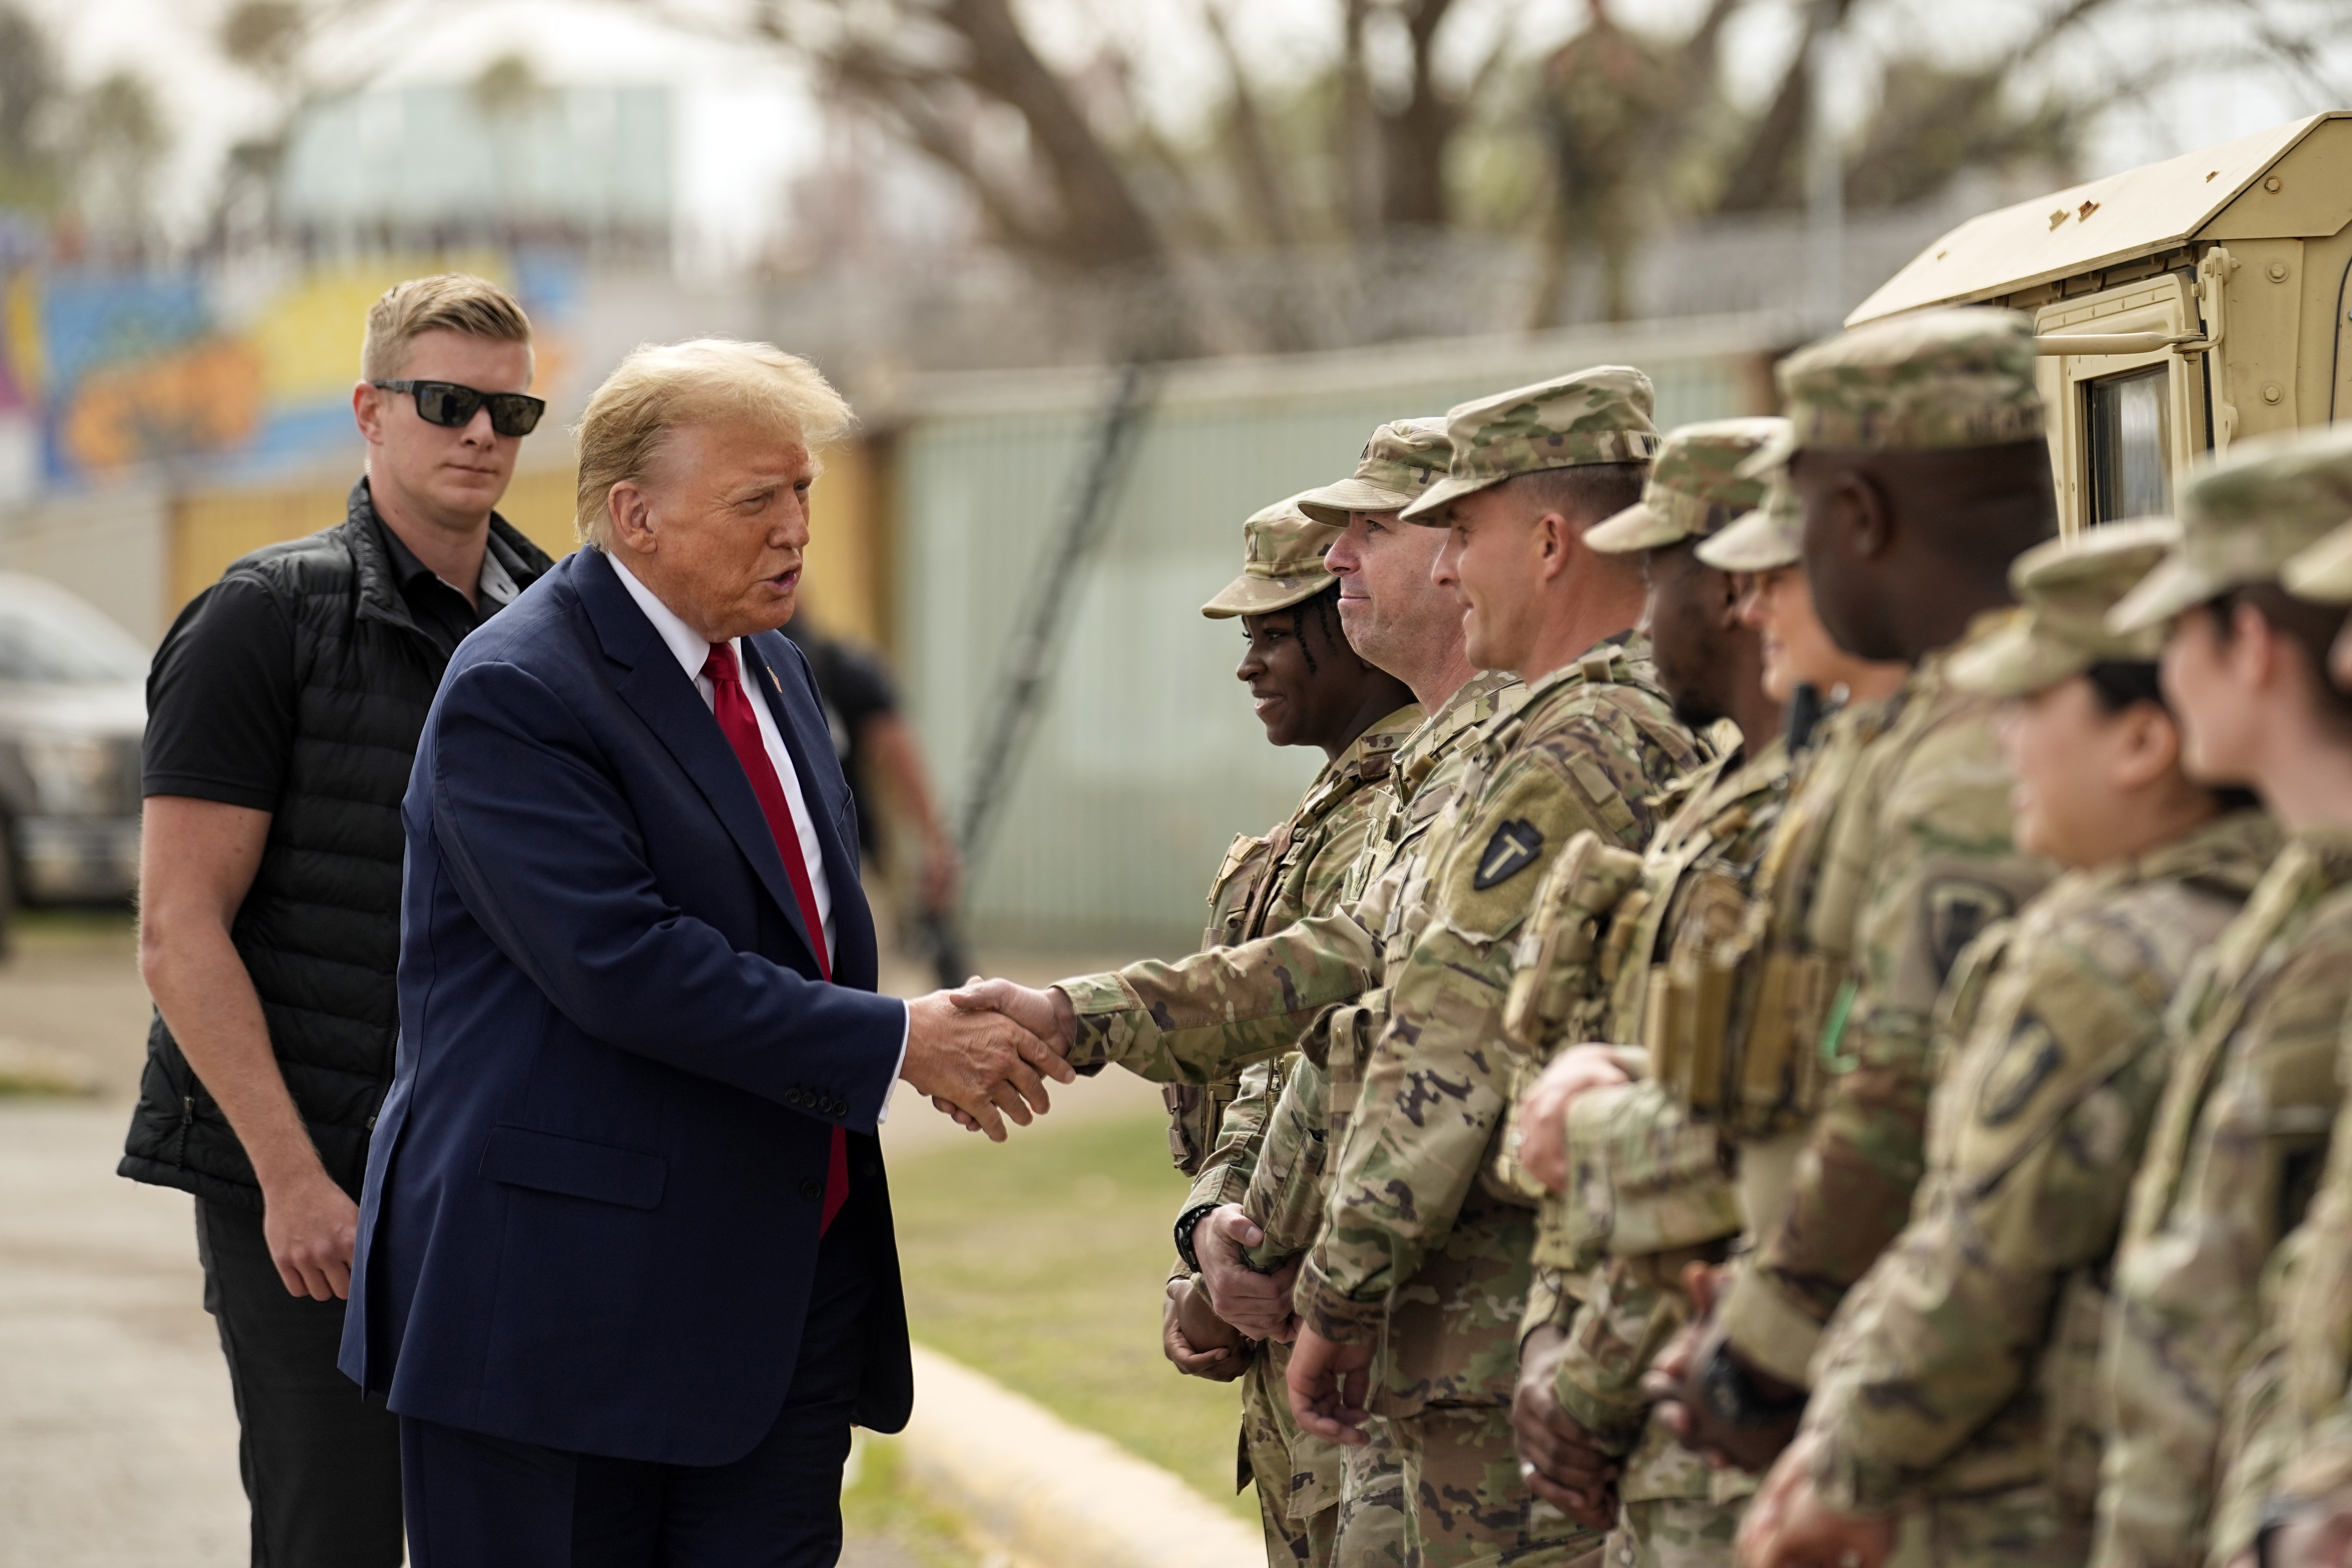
1046	1014
984	1064
1329	1382
1257	1304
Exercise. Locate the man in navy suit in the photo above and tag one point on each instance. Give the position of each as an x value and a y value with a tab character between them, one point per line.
625	1263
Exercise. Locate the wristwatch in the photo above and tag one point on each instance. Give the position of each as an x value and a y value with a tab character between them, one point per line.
1186	1224
1733	1398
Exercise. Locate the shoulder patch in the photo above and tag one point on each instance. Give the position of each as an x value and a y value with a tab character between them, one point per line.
2027	1061
1959	910
1512	849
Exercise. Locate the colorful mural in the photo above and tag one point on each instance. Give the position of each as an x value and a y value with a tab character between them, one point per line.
199	368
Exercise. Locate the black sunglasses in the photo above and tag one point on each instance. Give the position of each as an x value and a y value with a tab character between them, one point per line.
446	402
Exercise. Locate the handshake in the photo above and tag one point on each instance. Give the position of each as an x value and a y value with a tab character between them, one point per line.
983	1053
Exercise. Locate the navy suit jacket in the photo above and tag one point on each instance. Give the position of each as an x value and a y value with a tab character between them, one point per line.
591	1213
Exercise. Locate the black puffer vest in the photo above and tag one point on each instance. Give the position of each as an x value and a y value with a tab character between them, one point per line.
320	930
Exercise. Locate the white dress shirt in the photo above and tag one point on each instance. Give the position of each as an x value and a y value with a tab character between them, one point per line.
692	651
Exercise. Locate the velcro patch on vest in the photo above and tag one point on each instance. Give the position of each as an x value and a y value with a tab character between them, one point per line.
1512	849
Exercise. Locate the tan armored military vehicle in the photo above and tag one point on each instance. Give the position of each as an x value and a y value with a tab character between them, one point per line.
2178	306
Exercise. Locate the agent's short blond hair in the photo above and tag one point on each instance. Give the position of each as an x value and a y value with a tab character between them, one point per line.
444	303
661	387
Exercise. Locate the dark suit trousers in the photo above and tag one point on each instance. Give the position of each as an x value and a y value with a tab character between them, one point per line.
320	1462
478	1501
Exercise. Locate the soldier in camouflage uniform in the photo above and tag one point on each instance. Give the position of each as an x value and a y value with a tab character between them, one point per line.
1312	689
2297	1446
2243	1127
1189	1021
1644	1181
1916	451
1956	1387
1423	1263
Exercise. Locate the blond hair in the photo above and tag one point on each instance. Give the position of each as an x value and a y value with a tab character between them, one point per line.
661	387
444	303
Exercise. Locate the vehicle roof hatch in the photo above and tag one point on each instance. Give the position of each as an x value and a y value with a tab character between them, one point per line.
2223	193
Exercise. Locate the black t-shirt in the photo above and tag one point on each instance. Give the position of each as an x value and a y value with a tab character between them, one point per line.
221	693
855	687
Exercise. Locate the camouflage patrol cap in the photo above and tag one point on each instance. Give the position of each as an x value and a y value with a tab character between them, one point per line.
1282	564
2065	588
2245	516
1927	381
1598	415
1770	537
1401	460
1695	488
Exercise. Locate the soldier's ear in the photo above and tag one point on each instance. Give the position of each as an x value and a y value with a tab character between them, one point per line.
1866	519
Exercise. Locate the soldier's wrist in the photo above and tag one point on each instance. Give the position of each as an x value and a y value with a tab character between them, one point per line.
1187	1224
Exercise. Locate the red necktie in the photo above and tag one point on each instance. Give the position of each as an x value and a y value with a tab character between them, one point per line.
732	705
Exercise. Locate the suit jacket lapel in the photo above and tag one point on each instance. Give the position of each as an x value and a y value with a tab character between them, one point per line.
807	737
660	693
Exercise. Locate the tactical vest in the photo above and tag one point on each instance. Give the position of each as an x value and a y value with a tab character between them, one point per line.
1764	977
319	931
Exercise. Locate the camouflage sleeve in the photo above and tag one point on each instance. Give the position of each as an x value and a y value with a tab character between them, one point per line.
2292	1418
1188	1021
1935	868
1284	1195
2186	1313
1611	1341
1225	1171
2042	1126
1439	1077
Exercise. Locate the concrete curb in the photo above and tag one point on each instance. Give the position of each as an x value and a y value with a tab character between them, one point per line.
1048	1494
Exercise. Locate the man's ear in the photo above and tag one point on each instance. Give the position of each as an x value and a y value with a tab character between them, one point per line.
367	412
1856	498
1554	536
631	512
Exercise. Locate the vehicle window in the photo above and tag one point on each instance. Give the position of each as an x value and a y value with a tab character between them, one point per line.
2125	418
49	638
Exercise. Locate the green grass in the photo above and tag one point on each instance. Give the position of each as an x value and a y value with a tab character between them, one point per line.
1041	1262
877	1505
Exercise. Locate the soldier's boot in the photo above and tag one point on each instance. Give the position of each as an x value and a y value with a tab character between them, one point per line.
1372	1526
1470	1505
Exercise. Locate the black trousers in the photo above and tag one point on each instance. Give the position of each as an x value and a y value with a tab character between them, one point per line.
320	1462
480	1501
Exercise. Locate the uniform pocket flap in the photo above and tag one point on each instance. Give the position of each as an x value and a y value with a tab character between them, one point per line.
521	1157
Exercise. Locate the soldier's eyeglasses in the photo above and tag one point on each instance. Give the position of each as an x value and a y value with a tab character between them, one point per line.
448	404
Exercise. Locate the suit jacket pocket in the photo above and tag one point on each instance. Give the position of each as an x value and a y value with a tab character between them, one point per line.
523	1157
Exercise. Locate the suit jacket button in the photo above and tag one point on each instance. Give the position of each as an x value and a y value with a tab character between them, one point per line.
811	1189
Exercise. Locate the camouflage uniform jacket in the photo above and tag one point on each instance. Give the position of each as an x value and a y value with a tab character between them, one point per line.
1197	1018
1965	1361
1265	884
2232	1163
1919	862
2293	1429
1416	1248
